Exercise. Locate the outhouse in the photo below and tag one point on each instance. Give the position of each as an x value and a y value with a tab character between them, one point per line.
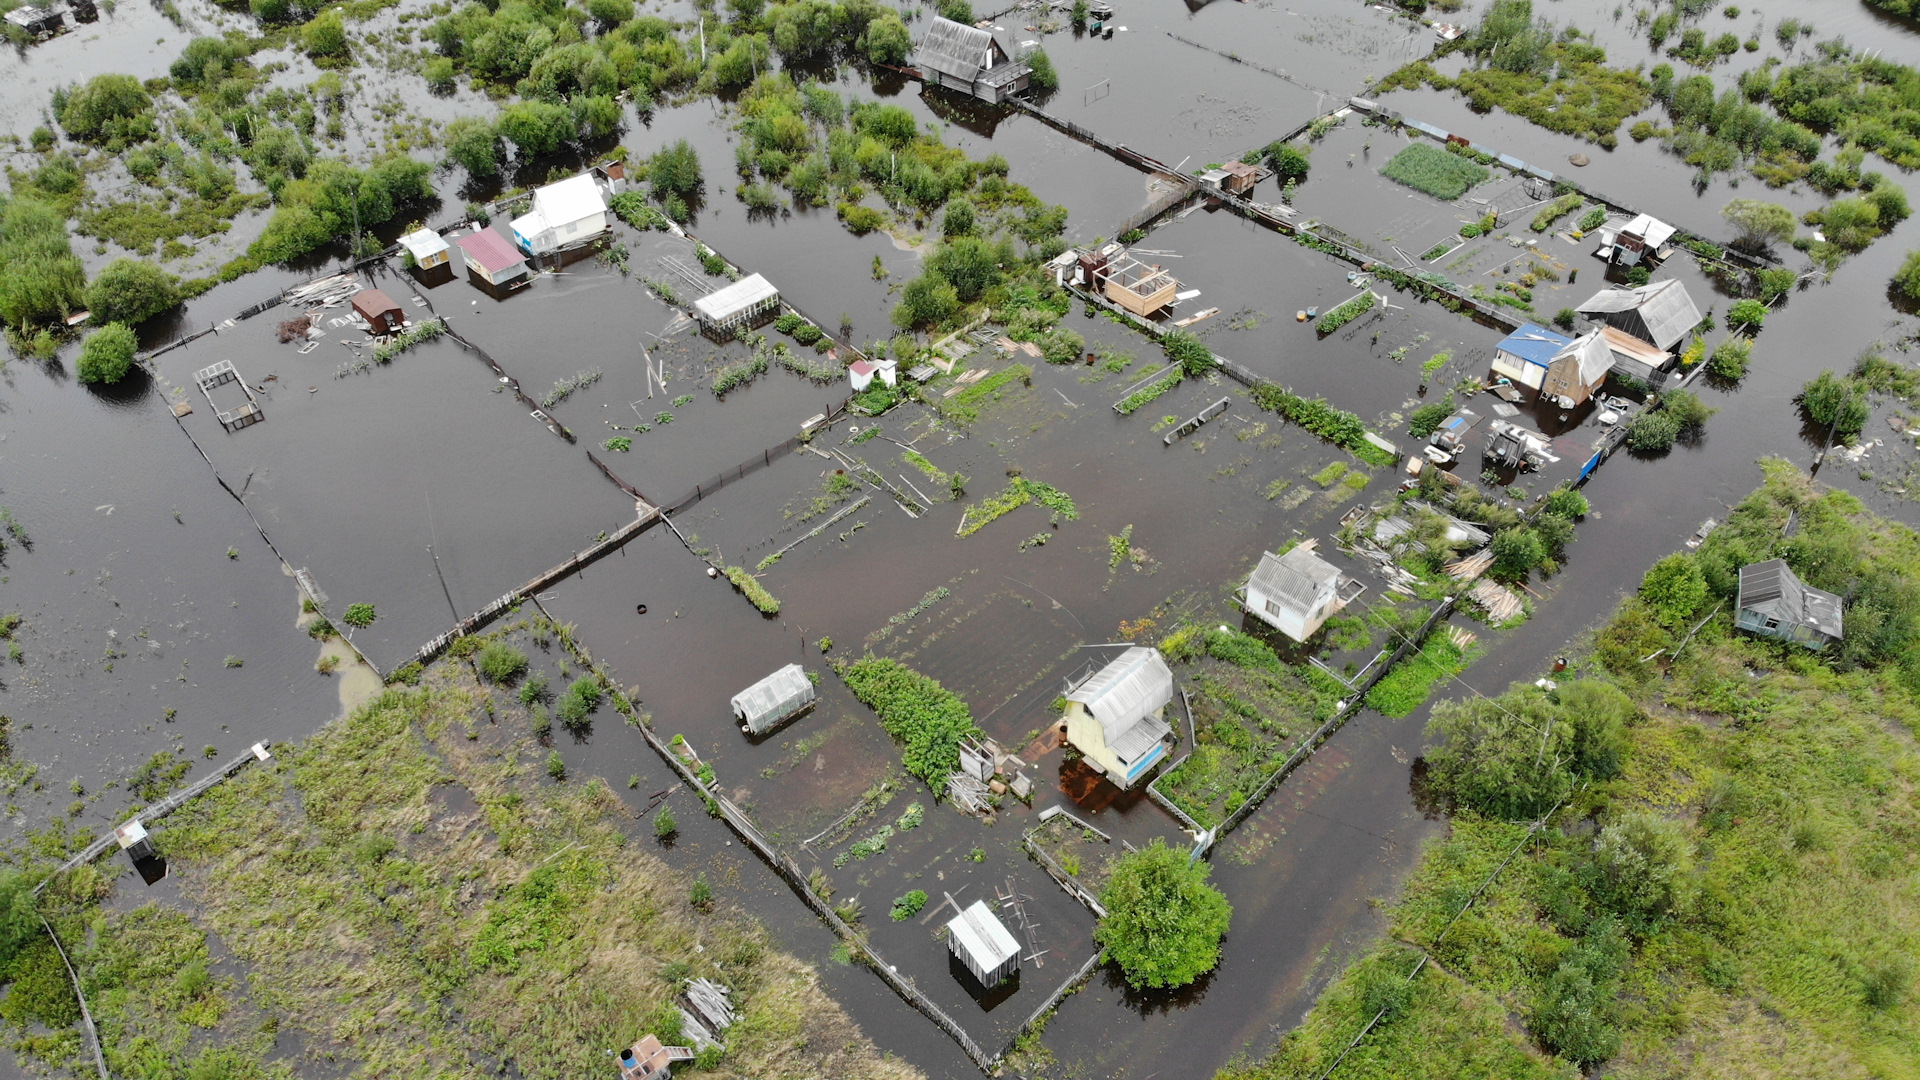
1775	603
983	945
773	700
382	312
1113	718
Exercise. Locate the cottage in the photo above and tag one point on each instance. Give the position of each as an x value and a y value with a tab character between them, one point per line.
492	263
648	1060
1577	370
739	306
1297	592
1113	718
428	248
773	700
569	212
1775	603
1233	178
37	21
983	945
1635	242
1523	355
1635	358
1659	313
382	313
970	60
1136	286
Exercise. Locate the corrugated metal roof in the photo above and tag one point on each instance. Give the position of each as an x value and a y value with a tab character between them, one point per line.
1664	306
722	304
1772	588
956	49
490	250
775	697
569	200
1534	344
1139	739
1296	579
979	932
424	244
1420	125
1650	229
1134	686
1594	356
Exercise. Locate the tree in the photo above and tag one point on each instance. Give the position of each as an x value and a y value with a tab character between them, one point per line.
1834	402
1516	551
959	11
473	144
1164	922
675	170
1746	315
326	36
957	220
610	12
1509	757
1906	280
536	127
968	263
1599	713
1566	502
1652	432
1643	869
41	280
131	291
888	41
1775	283
746	11
107	355
1687	410
1042	77
803	28
272	11
1674	588
111	109
1760	223
1289	162
926	300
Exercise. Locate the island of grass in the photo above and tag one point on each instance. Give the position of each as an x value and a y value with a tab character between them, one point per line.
1425	167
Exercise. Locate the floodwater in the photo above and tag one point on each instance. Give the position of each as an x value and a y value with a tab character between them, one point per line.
416	487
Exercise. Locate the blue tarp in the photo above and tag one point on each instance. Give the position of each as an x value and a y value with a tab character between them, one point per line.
1534	344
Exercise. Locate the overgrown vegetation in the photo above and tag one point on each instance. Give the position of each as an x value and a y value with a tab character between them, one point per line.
1425	167
927	718
1019	492
1164	922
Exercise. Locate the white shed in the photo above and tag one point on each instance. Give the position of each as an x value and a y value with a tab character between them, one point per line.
1295	593
568	212
729	310
981	943
1113	718
773	700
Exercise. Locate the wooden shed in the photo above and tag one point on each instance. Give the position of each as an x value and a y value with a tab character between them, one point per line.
1297	592
1136	286
382	312
1775	603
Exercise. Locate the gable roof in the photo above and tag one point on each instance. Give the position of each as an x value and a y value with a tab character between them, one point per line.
1663	306
1772	588
953	48
372	303
1130	689
1534	344
424	244
490	250
1649	229
1592	355
1296	579
979	932
863	367
571	199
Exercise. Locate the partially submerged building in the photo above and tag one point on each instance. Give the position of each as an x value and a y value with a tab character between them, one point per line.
41	23
746	303
382	313
1634	358
774	700
431	254
493	264
1233	178
569	212
1775	603
1139	287
1659	313
1638	241
1113	718
983	945
1524	355
1576	371
970	60
1297	592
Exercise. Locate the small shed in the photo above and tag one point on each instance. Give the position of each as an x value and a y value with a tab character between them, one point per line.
382	312
1240	177
970	60
1633	357
1638	241
1137	286
1775	603
1113	718
649	1060
1659	313
1297	592
774	700
37	21
727	311
492	262
1577	370
428	248
860	373
983	945
1523	355
567	212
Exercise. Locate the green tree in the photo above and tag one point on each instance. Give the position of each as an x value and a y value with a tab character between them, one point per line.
107	355
746	11
971	265
1600	714
1516	551
1164	922
803	28
271	11
1652	432
1731	357
41	280
536	128
1746	315
1042	77
110	109
1643	869
1566	502
610	12
1687	409
926	300
1775	283
1288	162
957	219
1835	402
959	11
131	291
675	171
325	37
473	144
888	41
1907	278
1760	223
1509	757
1674	588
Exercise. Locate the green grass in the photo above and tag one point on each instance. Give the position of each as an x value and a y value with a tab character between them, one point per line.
1412	680
1146	394
755	592
1425	167
927	717
1332	473
1018	493
965	406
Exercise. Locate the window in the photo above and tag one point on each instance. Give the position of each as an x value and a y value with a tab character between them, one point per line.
1773	624
1273	608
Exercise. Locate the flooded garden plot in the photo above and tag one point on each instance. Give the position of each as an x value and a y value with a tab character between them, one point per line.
385	480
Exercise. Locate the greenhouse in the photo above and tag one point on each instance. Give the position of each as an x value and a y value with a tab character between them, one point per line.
773	700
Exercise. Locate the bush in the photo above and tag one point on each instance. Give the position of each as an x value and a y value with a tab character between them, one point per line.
1564	318
1427	418
1507	757
1187	352
664	825
1425	167
110	109
1600	714
502	663
556	765
1760	223
1567	503
1516	551
957	220
888	41
906	907
1746	315
1834	402
1730	358
927	717
1288	162
1574	1013
1164	922
1345	313
326	36
1906	280
41	280
1652	432
674	172
131	291
474	144
107	355
1643	869
1674	588
536	128
359	615
1043	78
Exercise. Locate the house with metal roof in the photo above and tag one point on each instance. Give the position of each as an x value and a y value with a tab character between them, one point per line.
1113	718
1635	358
739	306
1639	240
1775	603
1576	371
492	262
773	700
568	212
984	946
1297	592
1523	355
970	60
1659	313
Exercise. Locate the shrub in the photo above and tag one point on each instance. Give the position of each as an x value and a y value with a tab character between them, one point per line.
1574	1013
1506	757
326	36
1345	313
536	128
1164	922
1760	223
664	825
675	172
1834	402
1043	78
359	615
1600	714
1907	279
41	280
927	717
1288	162
1731	357
502	663
474	144
1516	551
1425	167
957	219
888	41
1564	318
1652	432
1643	868
110	109
107	355
556	765
1567	503
1674	588
1746	315
1428	417
906	907
533	691
131	291
755	592
1188	352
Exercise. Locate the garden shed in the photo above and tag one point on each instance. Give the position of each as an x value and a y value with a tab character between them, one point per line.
774	700
1637	241
1523	355
727	311
983	945
1137	286
492	263
1659	313
1113	718
37	21
1775	603
1297	592
382	312
970	60
1577	370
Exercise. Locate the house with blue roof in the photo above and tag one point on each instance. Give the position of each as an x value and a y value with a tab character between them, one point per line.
1524	355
